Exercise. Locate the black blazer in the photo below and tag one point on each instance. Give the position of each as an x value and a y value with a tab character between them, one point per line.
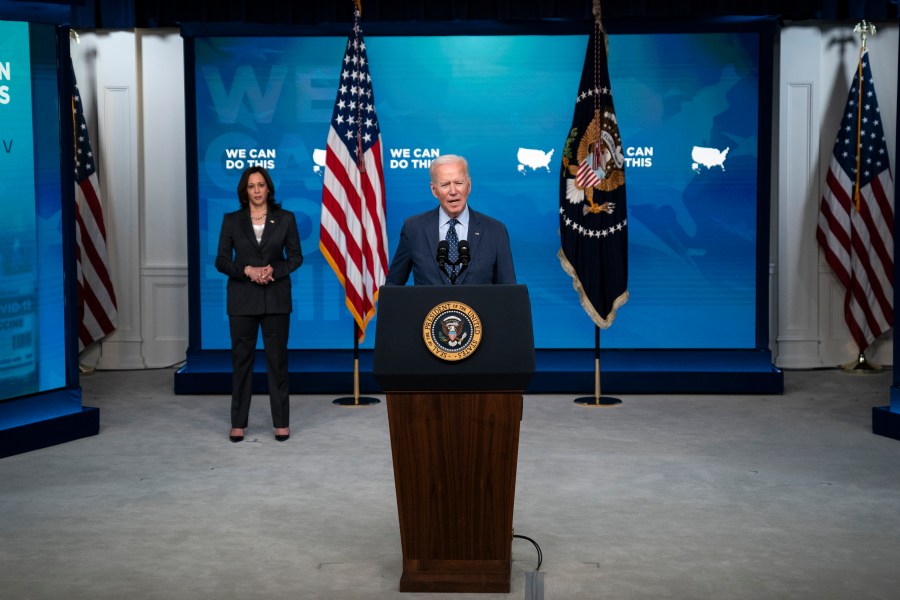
280	247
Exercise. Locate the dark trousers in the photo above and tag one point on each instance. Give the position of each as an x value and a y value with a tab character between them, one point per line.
244	331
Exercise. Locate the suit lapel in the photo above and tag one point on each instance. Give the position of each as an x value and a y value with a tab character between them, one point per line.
432	238
431	231
271	222
475	231
246	226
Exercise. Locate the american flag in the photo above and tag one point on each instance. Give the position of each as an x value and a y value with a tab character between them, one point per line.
96	297
353	233
856	217
593	220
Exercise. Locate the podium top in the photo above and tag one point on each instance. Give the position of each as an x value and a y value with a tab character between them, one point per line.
416	349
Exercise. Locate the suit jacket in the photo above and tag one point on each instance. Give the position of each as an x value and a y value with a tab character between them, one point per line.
280	247
489	250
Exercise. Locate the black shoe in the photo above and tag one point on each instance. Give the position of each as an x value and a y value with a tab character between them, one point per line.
236	438
282	437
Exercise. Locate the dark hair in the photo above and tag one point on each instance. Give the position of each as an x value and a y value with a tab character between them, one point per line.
242	187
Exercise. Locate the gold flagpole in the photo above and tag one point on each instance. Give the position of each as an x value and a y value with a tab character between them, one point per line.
355	399
597	400
860	366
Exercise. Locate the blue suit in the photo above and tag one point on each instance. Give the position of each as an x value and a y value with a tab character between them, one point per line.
489	250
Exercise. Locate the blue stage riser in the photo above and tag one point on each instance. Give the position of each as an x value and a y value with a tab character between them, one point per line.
560	372
50	432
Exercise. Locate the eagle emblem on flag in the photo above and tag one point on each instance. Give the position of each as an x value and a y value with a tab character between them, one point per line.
595	161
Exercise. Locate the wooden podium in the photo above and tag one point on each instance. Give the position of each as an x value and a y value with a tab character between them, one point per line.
454	425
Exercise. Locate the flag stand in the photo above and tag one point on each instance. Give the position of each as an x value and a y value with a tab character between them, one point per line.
861	366
597	399
355	399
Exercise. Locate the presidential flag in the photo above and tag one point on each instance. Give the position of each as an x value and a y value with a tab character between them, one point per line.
856	217
96	296
353	231
593	224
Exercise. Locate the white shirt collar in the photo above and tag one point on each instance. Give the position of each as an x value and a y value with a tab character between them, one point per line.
463	217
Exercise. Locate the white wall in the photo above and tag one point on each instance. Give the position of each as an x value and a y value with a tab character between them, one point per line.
132	88
816	67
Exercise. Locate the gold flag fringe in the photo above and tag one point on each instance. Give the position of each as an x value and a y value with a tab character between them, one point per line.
599	321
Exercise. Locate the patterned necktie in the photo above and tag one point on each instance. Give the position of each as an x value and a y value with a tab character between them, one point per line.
453	254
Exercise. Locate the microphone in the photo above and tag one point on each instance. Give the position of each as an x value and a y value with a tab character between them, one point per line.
463	254
443	250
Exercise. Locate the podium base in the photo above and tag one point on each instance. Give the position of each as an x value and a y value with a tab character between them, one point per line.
355	401
456	576
455	456
603	401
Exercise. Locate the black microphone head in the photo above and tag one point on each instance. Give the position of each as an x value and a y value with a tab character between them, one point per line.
443	251
463	252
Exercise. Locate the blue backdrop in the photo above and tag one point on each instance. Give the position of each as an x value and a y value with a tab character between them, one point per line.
688	108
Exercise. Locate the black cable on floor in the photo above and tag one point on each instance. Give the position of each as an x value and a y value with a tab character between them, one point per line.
536	547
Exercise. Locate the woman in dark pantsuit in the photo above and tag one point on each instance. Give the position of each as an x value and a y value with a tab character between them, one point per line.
259	248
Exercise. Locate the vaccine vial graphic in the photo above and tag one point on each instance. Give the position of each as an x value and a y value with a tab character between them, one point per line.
18	234
18	309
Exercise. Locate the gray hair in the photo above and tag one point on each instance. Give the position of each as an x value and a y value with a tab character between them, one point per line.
445	159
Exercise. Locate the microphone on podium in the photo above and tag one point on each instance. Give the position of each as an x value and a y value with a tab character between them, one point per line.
463	254
443	251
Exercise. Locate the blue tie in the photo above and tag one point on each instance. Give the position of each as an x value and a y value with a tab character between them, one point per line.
453	242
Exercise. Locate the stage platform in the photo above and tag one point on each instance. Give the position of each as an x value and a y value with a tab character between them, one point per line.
557	372
36	432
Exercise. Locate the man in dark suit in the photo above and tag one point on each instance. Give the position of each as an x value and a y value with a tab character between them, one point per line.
259	248
489	253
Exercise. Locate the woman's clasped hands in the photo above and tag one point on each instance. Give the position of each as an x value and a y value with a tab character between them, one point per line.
260	275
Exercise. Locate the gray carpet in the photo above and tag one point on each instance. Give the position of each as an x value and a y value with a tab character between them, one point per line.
685	497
